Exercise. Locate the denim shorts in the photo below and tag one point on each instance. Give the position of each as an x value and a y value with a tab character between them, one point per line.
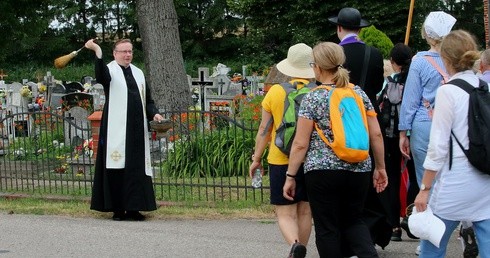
277	175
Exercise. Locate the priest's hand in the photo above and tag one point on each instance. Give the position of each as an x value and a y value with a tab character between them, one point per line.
158	118
90	44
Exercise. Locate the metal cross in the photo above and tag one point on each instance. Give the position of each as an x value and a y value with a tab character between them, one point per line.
220	86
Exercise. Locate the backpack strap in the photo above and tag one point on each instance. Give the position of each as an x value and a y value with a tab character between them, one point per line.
322	135
367	53
319	87
288	87
317	128
441	71
469	89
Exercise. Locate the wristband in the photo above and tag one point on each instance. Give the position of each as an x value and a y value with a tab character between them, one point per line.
289	175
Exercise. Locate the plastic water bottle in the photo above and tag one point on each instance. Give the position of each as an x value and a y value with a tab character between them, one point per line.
257	179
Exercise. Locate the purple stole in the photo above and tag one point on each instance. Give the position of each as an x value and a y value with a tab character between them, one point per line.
351	39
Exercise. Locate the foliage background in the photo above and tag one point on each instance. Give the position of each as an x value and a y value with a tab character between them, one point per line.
234	32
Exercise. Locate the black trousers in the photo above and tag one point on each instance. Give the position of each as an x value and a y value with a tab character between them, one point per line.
393	158
337	200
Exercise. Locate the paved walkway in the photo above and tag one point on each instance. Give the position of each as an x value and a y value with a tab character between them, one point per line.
57	236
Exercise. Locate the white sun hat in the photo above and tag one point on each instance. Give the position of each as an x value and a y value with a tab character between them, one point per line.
438	24
426	225
297	64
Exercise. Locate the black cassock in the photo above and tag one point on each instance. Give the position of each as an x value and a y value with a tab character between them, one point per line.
127	189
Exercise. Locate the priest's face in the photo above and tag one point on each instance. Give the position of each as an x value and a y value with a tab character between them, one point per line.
123	53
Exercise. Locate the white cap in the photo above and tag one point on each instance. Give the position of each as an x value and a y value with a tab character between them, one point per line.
438	24
426	226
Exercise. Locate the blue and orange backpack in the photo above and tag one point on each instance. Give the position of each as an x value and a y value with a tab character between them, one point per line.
348	121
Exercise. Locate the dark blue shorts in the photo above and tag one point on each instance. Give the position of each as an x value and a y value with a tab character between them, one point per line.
277	175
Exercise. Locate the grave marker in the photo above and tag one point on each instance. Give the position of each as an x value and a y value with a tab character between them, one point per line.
73	135
202	83
99	98
55	94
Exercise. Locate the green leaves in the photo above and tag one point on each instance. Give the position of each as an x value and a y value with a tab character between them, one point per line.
377	39
220	153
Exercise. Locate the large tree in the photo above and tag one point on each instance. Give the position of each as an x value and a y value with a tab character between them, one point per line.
22	24
157	21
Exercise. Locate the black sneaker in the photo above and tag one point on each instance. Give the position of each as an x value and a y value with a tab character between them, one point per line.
396	235
297	250
470	246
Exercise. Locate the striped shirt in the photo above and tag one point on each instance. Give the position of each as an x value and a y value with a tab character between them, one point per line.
421	85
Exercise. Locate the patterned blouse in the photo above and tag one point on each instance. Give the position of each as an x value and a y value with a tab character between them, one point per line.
319	155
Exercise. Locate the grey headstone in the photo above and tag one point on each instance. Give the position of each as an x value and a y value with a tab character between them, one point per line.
55	100
15	97
88	79
58	88
54	95
73	131
222	82
99	98
34	88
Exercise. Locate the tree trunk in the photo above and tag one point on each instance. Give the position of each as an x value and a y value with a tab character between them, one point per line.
164	64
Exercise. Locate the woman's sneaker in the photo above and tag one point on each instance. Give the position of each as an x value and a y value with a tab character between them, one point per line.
297	250
469	242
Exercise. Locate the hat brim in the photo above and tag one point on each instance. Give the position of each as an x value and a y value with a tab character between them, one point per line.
286	68
335	20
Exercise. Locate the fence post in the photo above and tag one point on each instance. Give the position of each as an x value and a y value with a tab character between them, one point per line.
94	119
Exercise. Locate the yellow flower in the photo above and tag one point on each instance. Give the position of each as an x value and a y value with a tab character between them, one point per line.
41	87
25	92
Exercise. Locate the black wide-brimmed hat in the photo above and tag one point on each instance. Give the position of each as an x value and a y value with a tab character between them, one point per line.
350	18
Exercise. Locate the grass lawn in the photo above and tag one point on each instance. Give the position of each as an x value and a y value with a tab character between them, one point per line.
55	205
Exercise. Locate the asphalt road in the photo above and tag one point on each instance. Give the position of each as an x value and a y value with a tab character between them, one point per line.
58	236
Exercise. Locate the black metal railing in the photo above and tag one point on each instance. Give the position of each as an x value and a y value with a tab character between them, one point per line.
204	157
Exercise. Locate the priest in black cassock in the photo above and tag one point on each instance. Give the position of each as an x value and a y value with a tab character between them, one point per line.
365	65
123	175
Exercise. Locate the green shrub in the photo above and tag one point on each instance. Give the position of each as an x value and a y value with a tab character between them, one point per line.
223	153
36	73
377	39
